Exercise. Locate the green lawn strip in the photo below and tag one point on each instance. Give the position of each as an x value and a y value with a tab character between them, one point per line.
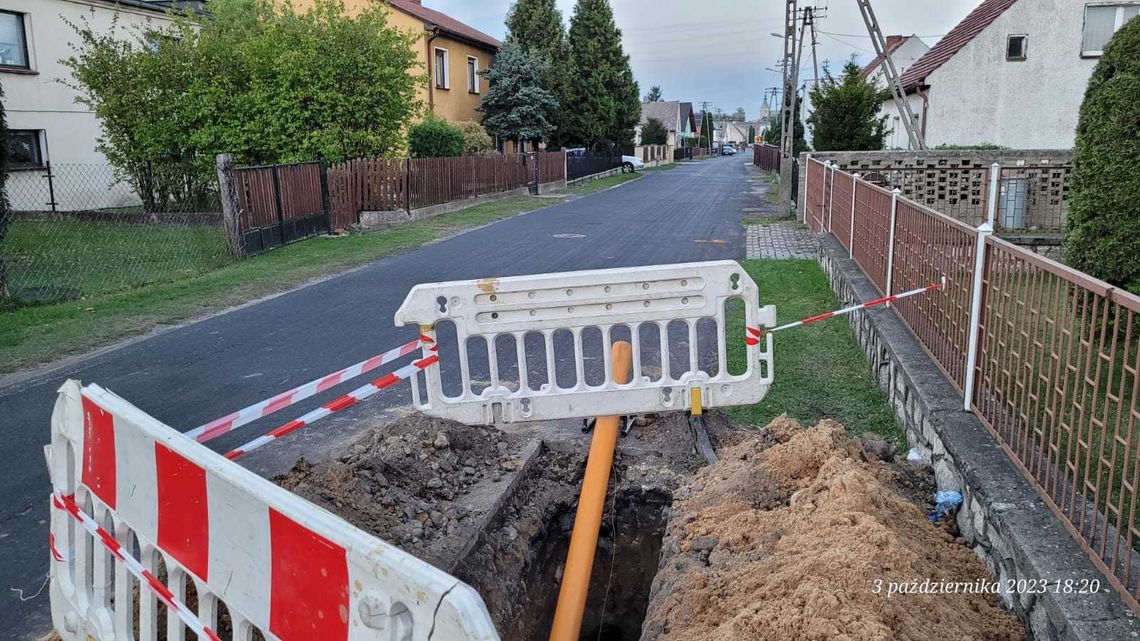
592	186
819	370
788	220
70	258
665	167
34	335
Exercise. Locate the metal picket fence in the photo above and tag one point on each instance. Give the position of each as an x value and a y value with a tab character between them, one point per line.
81	229
1046	356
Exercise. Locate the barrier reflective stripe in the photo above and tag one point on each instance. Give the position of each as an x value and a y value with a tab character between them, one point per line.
348	400
144	576
261	409
280	565
755	333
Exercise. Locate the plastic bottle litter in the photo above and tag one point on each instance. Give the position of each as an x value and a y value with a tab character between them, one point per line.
914	457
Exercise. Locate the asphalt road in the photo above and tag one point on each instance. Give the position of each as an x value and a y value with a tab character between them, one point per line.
192	374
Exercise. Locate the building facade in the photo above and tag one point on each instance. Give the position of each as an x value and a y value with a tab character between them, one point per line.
451	54
1013	72
46	123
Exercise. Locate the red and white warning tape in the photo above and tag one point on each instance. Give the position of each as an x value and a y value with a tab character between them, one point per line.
145	577
230	422
755	333
349	399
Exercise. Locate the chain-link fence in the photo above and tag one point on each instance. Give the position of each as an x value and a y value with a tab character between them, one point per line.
77	230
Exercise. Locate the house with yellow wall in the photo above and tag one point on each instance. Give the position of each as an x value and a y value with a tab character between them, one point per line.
451	52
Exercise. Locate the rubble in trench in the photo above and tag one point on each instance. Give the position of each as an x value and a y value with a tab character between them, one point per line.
781	539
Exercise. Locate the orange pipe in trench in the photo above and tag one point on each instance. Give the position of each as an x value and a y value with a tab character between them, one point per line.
591	504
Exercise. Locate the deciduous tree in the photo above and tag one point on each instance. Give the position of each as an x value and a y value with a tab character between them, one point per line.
254	79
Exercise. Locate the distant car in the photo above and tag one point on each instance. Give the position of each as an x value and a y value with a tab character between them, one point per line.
728	150
576	152
631	164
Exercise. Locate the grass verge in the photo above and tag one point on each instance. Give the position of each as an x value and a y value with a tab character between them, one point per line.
592	186
819	370
35	335
665	167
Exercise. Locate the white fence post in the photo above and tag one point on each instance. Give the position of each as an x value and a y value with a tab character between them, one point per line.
984	230
891	241
830	196
991	207
807	172
851	237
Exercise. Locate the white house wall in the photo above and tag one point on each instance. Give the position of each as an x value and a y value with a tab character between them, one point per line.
906	55
41	101
977	96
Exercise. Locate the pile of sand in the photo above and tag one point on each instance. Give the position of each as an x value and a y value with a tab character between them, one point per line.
788	541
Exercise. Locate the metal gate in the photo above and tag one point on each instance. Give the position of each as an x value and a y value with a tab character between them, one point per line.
279	204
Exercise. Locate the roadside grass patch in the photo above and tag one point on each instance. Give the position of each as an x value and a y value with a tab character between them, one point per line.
593	186
665	167
819	370
39	334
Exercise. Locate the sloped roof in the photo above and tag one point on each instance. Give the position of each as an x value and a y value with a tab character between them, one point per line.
687	115
446	23
667	111
893	42
950	44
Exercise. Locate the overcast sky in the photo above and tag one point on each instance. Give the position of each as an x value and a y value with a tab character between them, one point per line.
717	50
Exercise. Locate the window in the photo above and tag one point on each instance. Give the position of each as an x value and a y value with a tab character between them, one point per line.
442	79
472	74
1101	22
24	150
13	41
1015	47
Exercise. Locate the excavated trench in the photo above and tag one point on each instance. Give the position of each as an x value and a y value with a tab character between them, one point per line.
782	538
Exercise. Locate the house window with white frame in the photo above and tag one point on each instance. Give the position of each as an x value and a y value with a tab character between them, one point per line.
472	74
1101	22
442	76
13	41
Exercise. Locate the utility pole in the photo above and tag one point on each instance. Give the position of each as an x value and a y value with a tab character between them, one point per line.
810	17
788	117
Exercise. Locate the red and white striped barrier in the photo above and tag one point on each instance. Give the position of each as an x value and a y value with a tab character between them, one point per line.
755	333
281	566
144	576
230	422
348	400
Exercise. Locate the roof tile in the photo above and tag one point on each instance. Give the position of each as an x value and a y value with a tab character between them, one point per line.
445	22
950	44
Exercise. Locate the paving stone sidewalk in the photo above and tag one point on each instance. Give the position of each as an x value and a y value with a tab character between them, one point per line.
779	240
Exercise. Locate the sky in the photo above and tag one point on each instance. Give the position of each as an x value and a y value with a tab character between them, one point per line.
718	50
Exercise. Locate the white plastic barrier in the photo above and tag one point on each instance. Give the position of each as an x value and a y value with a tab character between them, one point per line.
257	556
529	331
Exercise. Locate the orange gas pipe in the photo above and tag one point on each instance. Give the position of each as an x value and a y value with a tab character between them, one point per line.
591	504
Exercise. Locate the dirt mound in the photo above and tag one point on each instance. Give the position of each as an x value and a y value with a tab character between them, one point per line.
789	542
405	482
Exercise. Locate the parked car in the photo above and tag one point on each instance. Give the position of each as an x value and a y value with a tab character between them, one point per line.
728	150
631	164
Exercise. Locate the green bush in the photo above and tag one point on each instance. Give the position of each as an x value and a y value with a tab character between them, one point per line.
435	138
1103	236
476	140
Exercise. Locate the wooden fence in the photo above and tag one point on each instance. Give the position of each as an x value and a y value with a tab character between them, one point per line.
374	184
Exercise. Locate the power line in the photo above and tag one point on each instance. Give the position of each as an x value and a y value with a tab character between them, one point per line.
863	35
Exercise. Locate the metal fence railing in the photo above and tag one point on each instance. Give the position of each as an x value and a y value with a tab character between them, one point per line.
766	157
83	229
378	184
580	166
1046	356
